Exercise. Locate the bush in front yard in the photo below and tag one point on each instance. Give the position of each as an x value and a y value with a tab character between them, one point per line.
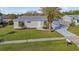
45	26
3	24
72	24
10	22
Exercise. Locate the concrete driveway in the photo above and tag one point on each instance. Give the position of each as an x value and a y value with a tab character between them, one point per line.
65	32
68	35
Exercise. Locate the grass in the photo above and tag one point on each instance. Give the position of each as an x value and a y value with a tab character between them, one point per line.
58	45
8	33
74	30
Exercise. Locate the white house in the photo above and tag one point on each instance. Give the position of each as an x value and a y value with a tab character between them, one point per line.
30	22
72	18
36	22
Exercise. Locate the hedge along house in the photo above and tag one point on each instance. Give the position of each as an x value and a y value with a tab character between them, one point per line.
36	22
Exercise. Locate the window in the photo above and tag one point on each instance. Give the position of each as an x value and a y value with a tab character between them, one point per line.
28	21
45	22
78	20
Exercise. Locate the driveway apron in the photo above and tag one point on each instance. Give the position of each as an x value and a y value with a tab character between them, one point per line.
68	35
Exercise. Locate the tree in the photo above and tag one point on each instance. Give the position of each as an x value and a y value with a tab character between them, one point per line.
72	12
51	13
1	14
72	22
12	16
27	14
32	13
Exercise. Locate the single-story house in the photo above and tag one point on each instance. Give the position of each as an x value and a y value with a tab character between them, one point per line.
1	19
72	18
36	22
4	18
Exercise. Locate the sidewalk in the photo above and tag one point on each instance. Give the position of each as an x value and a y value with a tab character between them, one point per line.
31	40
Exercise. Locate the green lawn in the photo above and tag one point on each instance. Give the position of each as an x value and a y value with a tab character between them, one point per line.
58	45
74	30
8	33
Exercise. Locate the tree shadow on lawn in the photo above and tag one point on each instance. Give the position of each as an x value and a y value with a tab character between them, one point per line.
12	32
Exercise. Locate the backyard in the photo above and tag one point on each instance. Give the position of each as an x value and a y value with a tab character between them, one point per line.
58	45
9	33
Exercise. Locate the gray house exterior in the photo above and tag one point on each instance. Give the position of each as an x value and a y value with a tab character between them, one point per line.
0	19
71	18
36	22
4	19
30	22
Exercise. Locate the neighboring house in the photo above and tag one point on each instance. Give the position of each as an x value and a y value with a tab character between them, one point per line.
1	19
36	22
72	18
4	19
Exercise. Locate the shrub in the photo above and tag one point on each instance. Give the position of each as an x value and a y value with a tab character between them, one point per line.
45	26
3	24
21	23
10	22
72	24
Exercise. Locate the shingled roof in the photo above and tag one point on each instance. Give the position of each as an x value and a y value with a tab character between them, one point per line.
31	18
73	16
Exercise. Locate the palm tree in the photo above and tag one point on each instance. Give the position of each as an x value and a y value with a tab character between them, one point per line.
51	13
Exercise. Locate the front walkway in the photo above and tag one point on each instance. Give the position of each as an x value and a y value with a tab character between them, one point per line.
68	35
30	40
